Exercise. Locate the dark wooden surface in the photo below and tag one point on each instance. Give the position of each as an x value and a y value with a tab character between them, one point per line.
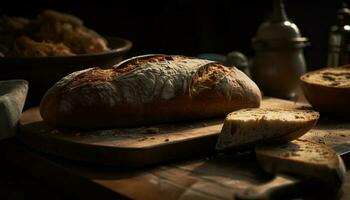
15	184
150	145
210	177
214	176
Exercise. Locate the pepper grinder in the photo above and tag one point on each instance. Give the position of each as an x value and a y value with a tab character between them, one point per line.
339	39
279	59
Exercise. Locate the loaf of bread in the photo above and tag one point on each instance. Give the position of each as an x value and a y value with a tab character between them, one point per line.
246	128
328	89
148	89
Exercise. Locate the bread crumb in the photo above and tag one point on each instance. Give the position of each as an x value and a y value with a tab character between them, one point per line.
166	140
321	142
295	153
142	139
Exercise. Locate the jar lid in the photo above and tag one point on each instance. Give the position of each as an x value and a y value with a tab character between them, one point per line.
279	29
272	44
284	30
343	12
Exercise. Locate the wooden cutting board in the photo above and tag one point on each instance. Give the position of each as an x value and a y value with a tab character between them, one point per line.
155	144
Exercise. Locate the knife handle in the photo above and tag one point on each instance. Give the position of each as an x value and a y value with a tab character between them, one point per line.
281	184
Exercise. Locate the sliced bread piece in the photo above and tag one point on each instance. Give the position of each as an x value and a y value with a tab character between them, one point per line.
305	158
328	89
247	127
302	159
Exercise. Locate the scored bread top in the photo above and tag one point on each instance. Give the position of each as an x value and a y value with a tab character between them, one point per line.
139	79
331	77
146	90
145	78
164	79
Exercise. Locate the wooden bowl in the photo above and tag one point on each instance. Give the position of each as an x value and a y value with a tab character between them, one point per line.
327	98
43	72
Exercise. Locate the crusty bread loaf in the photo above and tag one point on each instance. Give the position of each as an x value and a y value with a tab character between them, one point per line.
247	127
328	89
145	90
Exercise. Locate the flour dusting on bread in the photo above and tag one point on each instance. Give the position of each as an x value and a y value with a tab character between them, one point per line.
164	79
148	89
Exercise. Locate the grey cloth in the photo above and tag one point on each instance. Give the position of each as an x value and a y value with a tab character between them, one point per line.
12	98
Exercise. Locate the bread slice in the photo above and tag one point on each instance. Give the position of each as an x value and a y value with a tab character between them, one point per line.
328	89
304	158
247	127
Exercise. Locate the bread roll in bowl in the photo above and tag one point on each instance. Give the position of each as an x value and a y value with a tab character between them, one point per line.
328	89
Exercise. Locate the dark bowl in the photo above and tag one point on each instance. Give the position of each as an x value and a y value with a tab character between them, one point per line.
43	72
330	100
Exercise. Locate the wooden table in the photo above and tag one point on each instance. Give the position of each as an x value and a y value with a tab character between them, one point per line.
213	176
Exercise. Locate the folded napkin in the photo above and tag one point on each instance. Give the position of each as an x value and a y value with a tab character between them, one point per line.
12	97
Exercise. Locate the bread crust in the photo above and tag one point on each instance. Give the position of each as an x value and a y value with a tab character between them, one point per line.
305	158
327	98
239	134
148	89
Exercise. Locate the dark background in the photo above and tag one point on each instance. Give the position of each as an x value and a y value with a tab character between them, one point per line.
173	26
189	26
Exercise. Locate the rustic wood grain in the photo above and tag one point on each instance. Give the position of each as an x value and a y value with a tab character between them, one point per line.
154	144
213	177
210	176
